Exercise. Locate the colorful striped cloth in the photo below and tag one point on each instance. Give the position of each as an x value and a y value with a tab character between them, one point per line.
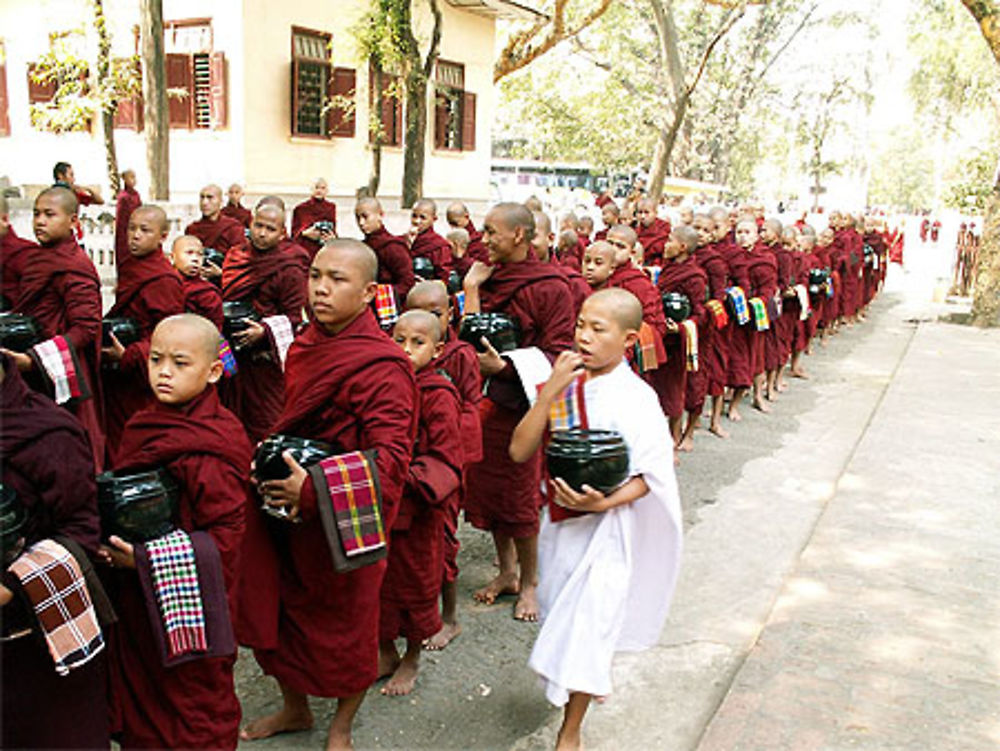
385	305
738	298
653	272
569	410
718	311
690	329
759	314
53	582
175	580
356	501
229	366
460	303
281	331
649	352
57	359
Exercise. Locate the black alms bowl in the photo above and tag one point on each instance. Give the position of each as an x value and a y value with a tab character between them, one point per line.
126	331
13	519
423	267
817	276
501	330
454	282
269	463
235	317
676	306
598	458
214	256
137	506
19	332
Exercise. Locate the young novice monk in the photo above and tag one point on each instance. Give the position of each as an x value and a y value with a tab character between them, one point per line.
408	602
200	297
425	242
172	696
541	243
607	576
394	264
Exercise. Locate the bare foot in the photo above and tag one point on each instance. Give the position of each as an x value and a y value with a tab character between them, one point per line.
734	415
769	395
800	374
686	445
526	607
568	741
503	584
339	742
282	721
760	404
443	638
780	387
388	663
402	681
718	430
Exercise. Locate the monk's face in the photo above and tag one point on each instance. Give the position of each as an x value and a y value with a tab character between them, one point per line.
541	243
825	238
210	202
338	289
645	212
722	228
235	194
597	266
320	189
128	179
746	234
585	226
422	218
145	233
502	241
51	222
623	246
705	228
609	216
187	256
369	218
437	305
180	367
674	249
418	342
266	230
687	217
600	339
790	239
567	222
768	234
457	249
807	242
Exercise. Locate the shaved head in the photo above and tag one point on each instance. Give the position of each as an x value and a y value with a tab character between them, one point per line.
618	304
568	239
185	241
774	225
543	225
646	203
356	253
603	249
272	211
626	233
424	321
514	215
687	236
271	201
215	189
196	332
368	203
458	236
427	293
456	211
64	198
155	213
427	204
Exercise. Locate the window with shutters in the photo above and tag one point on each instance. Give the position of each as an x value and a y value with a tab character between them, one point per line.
454	109
196	76
385	98
4	104
322	96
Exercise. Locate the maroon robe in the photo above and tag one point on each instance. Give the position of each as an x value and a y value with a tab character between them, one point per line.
777	340
275	282
46	459
128	201
220	234
653	238
238	212
409	596
59	286
148	291
503	496
14	253
394	264
804	330
313	629
305	215
739	373
202	298
477	249
429	244
873	275
762	270
670	379
578	286
194	704
713	347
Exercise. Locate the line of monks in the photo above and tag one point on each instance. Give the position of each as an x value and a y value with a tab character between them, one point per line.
316	345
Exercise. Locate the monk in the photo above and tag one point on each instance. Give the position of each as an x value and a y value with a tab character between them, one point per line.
425	242
394	264
568	250
745	341
827	254
806	329
174	698
200	297
148	291
610	215
14	252
314	221
541	243
458	217
774	338
213	229
713	349
653	232
128	200
584	229
60	288
503	497
272	279
458	242
686	217
315	630
458	360
762	273
64	177
234	209
408	603
46	460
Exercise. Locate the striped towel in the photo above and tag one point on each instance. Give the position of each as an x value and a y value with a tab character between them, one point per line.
690	329
281	330
175	581
54	584
738	298
58	360
649	352
385	305
653	272
357	504
569	410
760	318
718	311
802	292
229	366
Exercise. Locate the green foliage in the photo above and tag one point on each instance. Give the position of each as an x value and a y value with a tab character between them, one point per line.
901	172
972	183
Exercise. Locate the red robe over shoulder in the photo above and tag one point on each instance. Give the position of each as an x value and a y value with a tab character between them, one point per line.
305	215
653	238
739	373
670	379
395	266
763	272
578	286
203	298
429	244
313	629
238	212
713	354
477	250
14	253
128	201
220	234
194	704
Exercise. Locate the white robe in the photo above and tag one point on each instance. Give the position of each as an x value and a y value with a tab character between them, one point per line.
606	580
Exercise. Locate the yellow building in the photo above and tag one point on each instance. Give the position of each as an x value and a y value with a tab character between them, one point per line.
253	75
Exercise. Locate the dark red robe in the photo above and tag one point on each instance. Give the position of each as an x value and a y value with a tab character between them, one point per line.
763	272
503	496
395	266
739	373
409	597
429	244
777	340
221	234
804	330
148	291
670	379
45	458
14	253
653	238
305	215
238	212
713	355
128	201
578	287
313	629
477	249
59	286
203	298
873	273
194	704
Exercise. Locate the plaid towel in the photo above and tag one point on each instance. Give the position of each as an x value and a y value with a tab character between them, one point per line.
229	365
759	314
653	272
385	305
54	584
649	352
281	330
690	329
569	410
738	298
58	360
460	303
354	495
175	581
718	311
802	292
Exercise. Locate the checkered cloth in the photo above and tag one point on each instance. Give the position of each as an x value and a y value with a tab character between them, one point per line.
357	505
569	410
719	316
653	272
59	363
649	352
385	305
175	580
229	365
281	330
738	299
690	329
54	584
760	318
802	292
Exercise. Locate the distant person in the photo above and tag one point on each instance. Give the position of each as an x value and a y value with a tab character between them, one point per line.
234	209
128	201
314	221
215	231
64	177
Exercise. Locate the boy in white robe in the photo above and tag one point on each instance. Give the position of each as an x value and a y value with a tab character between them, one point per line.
606	577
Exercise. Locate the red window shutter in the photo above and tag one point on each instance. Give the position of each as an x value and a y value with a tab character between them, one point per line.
218	100
180	75
129	113
4	103
468	121
440	119
39	93
340	121
293	119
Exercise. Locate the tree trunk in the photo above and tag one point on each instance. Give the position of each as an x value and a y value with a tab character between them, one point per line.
110	153
375	126
110	105
665	141
986	292
156	108
416	133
